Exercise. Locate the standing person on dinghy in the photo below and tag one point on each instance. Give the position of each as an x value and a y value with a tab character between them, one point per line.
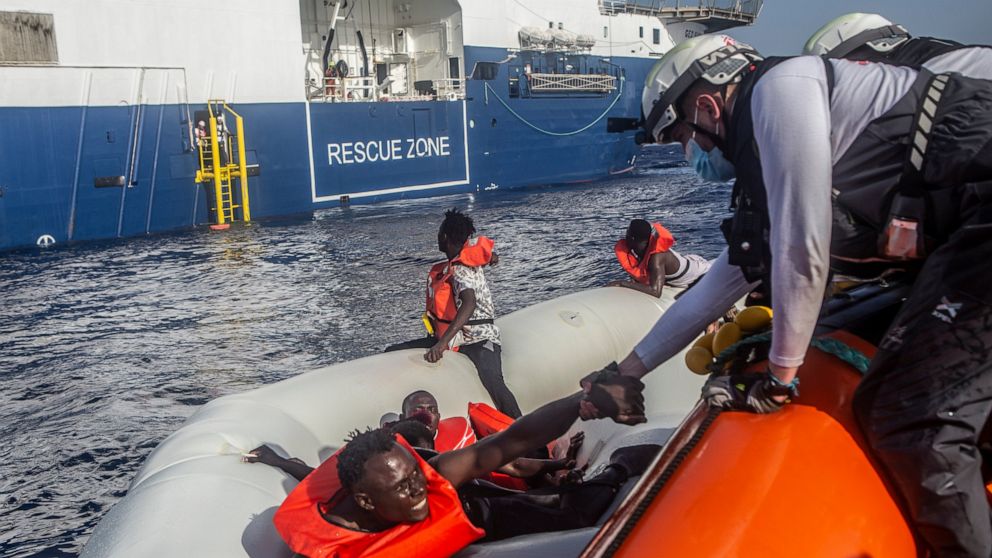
646	254
460	309
860	166
378	497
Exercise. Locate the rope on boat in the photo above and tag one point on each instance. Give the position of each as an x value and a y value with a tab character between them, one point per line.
549	132
828	345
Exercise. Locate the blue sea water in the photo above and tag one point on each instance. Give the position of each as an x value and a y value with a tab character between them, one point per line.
107	348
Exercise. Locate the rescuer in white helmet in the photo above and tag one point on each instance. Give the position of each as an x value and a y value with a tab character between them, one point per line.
859	36
859	168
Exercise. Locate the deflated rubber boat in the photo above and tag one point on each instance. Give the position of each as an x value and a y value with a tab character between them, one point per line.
194	497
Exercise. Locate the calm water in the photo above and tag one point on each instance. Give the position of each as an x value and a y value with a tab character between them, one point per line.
107	348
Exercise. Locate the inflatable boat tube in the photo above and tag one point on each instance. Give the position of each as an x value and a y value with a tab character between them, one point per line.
794	483
194	497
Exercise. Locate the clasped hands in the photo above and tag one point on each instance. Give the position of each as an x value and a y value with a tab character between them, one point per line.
608	393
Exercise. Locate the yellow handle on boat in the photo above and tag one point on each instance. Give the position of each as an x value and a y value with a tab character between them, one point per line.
427	323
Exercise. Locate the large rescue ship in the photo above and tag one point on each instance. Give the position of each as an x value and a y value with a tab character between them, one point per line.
311	104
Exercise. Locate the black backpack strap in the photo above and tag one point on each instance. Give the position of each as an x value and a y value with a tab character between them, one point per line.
906	233
828	69
926	113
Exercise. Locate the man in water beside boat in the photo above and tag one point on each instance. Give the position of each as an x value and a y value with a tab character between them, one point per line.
377	496
460	310
841	164
646	254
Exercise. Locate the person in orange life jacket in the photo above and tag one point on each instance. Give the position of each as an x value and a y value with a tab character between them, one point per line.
646	254
378	497
422	427
413	431
460	308
447	434
455	433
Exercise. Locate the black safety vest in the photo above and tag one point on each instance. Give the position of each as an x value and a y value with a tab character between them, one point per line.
917	51
880	166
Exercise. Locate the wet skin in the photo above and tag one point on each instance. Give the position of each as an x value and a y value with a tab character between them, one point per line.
392	490
423	407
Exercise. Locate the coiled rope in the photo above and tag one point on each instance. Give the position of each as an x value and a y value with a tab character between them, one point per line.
828	345
558	134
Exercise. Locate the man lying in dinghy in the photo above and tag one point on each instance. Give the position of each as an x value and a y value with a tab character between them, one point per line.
446	434
378	497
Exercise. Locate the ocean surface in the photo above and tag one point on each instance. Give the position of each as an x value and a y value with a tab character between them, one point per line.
106	348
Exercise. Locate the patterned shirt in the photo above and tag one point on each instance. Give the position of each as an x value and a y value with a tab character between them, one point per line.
474	278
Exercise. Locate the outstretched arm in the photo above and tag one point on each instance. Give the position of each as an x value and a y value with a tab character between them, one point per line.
292	467
621	395
718	290
525	467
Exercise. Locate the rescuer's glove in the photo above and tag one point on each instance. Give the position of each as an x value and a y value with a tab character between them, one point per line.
756	393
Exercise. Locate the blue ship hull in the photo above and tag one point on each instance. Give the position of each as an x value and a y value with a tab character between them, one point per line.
310	155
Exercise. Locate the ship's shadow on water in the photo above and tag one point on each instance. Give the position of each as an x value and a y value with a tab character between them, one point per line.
107	348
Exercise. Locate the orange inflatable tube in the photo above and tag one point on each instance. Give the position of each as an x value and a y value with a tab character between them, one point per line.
796	483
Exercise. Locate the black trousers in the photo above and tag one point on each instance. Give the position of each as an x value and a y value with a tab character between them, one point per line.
486	356
928	393
504	514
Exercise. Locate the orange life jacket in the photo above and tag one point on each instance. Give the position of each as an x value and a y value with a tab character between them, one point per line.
453	433
441	307
301	524
661	241
486	420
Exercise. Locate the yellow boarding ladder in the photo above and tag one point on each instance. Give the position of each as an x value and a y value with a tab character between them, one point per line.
219	165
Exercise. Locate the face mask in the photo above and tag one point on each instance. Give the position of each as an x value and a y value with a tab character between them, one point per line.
711	166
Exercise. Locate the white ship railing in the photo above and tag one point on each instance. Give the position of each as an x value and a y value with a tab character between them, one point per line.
356	89
450	89
557	83
743	11
350	88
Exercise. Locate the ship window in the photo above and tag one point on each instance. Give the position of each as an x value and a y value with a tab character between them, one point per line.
656	37
551	25
606	32
453	72
640	32
27	37
486	71
561	26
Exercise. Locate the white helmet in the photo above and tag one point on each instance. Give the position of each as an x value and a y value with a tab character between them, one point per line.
718	59
849	32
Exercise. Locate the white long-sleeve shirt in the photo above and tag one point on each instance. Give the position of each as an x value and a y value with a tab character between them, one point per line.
801	131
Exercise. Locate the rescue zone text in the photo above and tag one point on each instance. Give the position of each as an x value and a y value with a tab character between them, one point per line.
348	153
